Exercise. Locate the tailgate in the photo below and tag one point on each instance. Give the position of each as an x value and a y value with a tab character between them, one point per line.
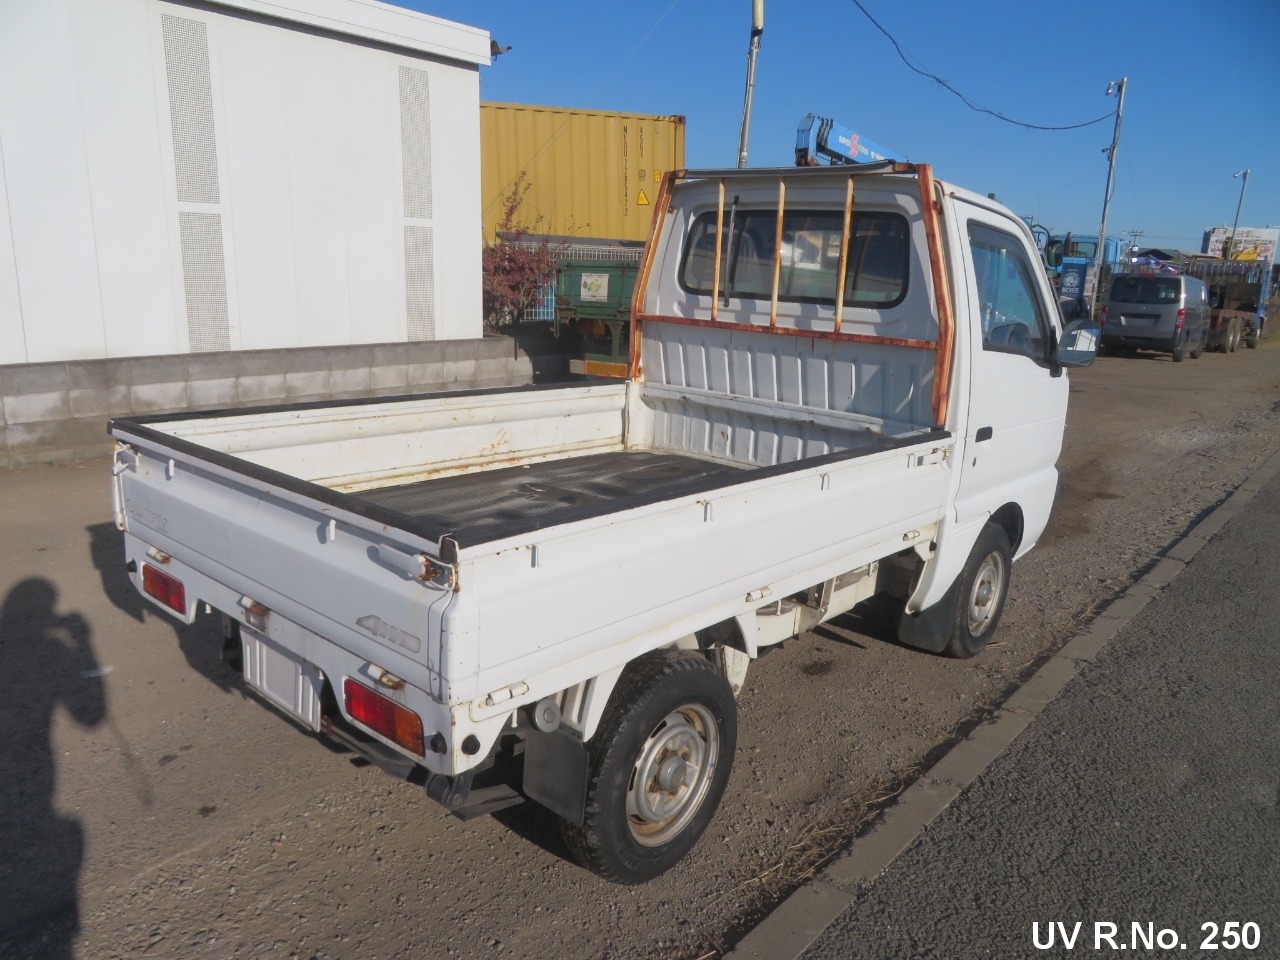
1135	321
330	570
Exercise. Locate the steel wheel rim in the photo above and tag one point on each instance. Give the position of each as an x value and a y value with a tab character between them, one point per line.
672	774
984	598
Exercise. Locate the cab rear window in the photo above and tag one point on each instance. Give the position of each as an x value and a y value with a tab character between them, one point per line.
1145	290
876	275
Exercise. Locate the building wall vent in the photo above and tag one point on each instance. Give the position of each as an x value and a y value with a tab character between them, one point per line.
420	282
195	154
195	168
419	251
415	142
204	281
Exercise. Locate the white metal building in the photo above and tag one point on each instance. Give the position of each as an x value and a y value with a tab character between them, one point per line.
240	174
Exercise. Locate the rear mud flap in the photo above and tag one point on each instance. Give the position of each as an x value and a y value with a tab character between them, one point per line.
930	628
555	773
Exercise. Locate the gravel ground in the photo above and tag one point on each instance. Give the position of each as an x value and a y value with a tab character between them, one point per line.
1147	794
147	795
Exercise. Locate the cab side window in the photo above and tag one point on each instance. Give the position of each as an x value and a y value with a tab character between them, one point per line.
1013	318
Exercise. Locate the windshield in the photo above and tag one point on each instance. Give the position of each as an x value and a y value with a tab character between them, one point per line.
1056	249
1148	290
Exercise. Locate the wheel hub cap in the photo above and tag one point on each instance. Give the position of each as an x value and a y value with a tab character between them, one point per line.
984	601
672	774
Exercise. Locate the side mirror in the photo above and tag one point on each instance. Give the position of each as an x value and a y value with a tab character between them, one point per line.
1079	343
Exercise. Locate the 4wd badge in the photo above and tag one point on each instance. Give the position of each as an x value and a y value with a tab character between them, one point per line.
385	631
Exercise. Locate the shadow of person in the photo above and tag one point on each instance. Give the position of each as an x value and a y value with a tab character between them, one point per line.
46	661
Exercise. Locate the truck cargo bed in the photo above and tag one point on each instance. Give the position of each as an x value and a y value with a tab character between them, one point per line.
497	503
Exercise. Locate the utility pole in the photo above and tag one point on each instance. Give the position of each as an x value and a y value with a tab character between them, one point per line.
757	28
1243	184
1111	180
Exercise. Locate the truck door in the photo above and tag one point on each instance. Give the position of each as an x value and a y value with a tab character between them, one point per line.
1017	405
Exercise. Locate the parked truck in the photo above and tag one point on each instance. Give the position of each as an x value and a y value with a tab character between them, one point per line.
593	302
1072	260
843	383
1238	294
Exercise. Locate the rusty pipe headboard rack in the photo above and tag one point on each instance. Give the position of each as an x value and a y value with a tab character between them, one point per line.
940	275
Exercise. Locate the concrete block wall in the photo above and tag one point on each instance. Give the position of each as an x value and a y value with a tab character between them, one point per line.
56	412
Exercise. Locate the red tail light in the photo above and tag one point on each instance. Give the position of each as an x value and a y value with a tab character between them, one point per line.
164	588
1182	318
398	724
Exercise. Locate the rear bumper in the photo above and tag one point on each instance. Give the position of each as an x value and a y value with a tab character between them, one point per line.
1113	337
290	668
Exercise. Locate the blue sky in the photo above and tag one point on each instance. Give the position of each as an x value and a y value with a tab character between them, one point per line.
1201	102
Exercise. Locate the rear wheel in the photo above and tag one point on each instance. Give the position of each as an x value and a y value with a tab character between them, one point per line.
1180	351
658	766
1233	339
984	584
1195	354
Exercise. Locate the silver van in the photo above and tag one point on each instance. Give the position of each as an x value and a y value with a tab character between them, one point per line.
1156	312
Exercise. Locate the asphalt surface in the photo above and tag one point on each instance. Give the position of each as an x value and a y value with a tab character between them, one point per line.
1147	793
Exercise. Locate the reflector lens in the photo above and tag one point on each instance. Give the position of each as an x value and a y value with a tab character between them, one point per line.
164	588
1182	319
398	724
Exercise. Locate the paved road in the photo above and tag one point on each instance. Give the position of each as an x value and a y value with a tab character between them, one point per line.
1148	793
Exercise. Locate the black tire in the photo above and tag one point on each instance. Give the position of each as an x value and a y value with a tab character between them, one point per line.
983	587
672	716
1180	351
1233	338
1195	354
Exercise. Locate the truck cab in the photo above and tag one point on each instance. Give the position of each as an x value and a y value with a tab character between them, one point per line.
1071	260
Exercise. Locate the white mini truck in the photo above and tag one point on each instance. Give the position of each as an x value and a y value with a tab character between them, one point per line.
844	382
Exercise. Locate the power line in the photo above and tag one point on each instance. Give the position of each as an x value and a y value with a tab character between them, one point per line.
967	102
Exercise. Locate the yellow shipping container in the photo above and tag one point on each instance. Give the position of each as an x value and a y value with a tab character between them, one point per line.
589	174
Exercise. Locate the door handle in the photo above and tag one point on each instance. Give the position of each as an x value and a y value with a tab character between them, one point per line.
984	433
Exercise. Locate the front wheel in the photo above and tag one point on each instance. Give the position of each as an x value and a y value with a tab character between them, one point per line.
659	764
983	587
1233	341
